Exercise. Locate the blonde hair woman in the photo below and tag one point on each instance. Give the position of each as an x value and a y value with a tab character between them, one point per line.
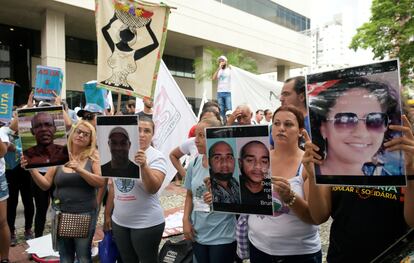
75	184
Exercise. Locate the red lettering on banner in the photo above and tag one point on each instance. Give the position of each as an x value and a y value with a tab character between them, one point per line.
44	91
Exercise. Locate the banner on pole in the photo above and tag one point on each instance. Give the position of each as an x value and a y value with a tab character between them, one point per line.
131	38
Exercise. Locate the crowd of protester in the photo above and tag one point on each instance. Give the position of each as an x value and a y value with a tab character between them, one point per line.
361	228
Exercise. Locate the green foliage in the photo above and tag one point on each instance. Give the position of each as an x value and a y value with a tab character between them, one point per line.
236	58
390	33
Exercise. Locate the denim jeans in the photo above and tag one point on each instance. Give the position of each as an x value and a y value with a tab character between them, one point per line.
223	253
68	247
224	102
4	189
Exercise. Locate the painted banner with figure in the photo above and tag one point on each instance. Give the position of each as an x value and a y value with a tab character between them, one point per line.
257	91
131	37
48	80
173	118
6	101
350	113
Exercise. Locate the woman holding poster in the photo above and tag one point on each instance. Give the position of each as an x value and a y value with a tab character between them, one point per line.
349	123
213	233
275	238
366	221
75	184
138	219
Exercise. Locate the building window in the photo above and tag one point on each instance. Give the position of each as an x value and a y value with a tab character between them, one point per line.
179	67
81	50
272	12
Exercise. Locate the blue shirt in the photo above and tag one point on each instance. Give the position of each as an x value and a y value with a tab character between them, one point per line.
211	228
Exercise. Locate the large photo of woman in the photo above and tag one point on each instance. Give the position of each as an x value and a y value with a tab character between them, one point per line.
350	112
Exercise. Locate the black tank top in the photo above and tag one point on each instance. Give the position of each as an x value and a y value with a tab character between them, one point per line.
74	193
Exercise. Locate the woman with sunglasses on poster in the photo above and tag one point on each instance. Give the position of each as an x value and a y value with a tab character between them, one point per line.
366	220
75	184
350	124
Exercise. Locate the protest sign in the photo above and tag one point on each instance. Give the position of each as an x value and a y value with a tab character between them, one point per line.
43	135
239	164
48	79
94	95
6	101
118	143
131	38
350	112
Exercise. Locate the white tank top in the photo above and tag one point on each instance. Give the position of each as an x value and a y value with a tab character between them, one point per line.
284	234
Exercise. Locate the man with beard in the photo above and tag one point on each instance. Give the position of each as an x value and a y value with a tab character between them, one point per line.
254	167
120	165
45	152
224	186
148	104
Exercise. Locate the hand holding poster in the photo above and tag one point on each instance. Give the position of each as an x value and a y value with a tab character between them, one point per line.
6	101
239	166
43	135
350	113
48	79
118	143
131	38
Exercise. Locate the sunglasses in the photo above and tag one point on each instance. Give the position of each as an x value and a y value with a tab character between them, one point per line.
131	105
374	121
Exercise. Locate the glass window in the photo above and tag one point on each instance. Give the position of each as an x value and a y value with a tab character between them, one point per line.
272	12
81	50
180	67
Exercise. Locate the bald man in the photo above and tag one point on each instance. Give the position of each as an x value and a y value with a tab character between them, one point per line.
45	152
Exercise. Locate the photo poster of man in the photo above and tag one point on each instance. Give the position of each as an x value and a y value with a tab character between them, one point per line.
94	95
118	142
350	112
43	135
239	167
48	80
131	37
6	101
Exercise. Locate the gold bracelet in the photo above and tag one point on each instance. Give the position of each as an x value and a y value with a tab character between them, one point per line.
292	199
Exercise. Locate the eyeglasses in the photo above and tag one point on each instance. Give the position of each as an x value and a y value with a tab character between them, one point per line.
374	121
83	133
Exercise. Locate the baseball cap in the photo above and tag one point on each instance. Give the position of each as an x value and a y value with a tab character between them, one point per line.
222	57
44	104
90	107
118	130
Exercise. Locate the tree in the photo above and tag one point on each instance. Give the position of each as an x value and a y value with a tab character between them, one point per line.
236	58
390	33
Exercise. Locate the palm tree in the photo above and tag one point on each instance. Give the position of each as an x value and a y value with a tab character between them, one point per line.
236	58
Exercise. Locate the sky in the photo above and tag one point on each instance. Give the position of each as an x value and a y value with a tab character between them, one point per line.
323	10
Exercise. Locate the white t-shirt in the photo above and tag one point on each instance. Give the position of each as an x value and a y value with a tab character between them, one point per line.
134	207
284	233
223	80
4	136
